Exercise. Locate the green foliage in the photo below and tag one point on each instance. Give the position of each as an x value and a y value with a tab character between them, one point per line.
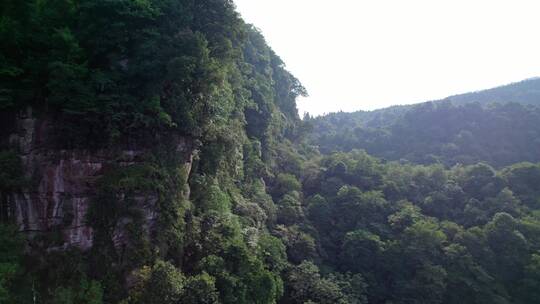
286	183
258	215
11	252
209	196
201	289
111	69
307	286
272	252
11	173
424	234
241	277
437	132
124	73
523	92
87	293
522	179
164	285
300	245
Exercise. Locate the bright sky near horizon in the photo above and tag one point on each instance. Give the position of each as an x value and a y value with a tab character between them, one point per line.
368	54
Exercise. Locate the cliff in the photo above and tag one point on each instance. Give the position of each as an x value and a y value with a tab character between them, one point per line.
62	183
139	144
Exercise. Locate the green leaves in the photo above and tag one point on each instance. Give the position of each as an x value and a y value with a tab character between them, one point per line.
109	61
441	132
306	285
145	71
86	293
11	251
11	171
425	234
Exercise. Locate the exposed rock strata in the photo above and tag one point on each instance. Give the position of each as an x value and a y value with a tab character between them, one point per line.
62	183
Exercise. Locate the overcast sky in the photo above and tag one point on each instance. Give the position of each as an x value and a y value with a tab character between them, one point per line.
369	54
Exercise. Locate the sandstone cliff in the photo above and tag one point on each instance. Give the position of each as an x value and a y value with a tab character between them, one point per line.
62	183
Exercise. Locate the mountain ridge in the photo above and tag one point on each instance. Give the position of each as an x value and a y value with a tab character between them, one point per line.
522	93
456	129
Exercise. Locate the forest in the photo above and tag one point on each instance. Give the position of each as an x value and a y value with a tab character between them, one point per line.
201	184
500	134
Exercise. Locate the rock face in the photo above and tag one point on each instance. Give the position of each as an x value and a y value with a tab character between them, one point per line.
63	183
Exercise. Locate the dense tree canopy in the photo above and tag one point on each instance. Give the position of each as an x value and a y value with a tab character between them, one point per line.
447	211
499	134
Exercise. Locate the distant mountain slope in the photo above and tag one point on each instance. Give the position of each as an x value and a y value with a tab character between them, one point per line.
523	92
526	92
373	119
499	126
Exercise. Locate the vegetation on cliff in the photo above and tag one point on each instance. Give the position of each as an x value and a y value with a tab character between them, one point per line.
260	216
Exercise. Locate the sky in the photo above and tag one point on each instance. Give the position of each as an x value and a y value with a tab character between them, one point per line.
369	54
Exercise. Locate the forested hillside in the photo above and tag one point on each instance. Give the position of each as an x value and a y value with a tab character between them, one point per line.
135	142
498	126
436	132
151	152
526	92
